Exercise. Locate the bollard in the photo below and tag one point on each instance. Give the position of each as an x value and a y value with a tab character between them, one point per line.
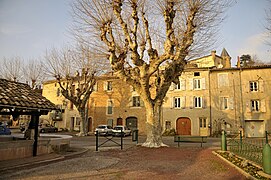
135	136
97	139
267	159
223	141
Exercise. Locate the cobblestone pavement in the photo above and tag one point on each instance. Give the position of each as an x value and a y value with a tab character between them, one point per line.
135	163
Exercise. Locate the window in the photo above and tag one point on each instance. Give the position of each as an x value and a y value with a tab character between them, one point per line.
110	107
180	85
168	125
108	86
196	84
196	73
223	80
224	103
136	101
198	102
253	86
178	102
202	122
255	105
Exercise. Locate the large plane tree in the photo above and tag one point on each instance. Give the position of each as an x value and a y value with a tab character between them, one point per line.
148	43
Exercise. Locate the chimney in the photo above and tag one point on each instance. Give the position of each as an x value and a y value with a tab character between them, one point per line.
238	62
227	62
213	53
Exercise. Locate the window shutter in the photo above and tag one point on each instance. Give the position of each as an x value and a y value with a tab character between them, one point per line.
182	84
131	101
263	106
191	102
141	102
231	103
172	102
203	83
172	86
204	102
183	102
190	84
247	87
105	86
248	108
95	87
261	85
221	103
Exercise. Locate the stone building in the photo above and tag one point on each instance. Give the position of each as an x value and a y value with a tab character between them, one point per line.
211	96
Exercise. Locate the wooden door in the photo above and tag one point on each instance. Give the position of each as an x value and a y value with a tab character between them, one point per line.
203	127
183	126
119	121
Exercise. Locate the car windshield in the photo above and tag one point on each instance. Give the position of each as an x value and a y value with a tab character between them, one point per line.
118	128
101	127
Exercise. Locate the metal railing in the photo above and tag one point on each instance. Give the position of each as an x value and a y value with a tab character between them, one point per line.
249	148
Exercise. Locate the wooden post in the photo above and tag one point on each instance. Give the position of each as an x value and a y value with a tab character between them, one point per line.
35	118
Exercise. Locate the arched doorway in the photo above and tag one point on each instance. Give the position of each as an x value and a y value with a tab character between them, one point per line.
131	122
183	126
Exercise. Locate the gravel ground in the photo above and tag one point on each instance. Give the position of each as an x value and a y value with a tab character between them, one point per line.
136	163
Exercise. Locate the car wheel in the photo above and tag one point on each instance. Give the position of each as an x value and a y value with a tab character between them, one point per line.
42	130
55	130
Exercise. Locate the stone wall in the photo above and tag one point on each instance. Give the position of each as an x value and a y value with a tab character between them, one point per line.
21	149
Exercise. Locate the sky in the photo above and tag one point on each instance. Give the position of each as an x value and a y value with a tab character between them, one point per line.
29	27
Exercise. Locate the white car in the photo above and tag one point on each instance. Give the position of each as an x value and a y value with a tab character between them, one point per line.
118	129
104	130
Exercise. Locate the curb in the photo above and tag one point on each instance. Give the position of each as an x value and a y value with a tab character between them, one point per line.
247	175
24	165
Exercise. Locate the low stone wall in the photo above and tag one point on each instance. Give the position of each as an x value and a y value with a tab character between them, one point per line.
15	149
21	149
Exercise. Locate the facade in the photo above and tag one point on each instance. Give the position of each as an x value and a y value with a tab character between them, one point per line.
211	96
68	118
115	103
241	97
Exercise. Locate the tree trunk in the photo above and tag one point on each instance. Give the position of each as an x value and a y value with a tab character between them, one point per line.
153	126
83	124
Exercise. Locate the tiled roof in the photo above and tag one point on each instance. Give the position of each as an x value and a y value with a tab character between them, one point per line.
19	95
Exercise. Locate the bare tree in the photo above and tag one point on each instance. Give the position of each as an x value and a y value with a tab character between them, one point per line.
33	73
74	71
149	42
11	68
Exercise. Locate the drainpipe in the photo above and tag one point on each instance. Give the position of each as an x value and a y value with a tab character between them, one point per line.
210	100
241	96
234	98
